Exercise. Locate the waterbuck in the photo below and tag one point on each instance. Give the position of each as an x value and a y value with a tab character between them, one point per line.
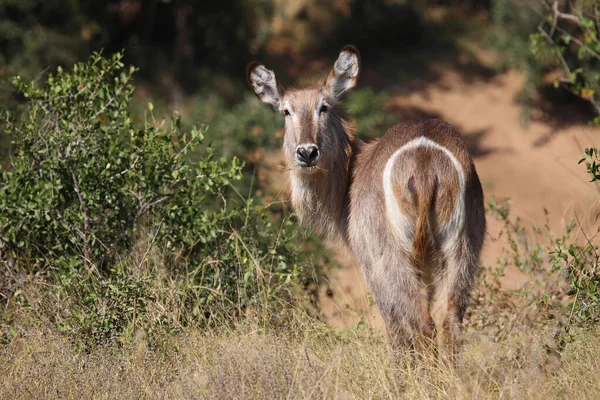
409	205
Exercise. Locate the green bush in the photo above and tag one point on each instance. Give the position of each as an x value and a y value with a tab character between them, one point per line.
86	185
569	41
563	289
579	264
84	175
369	111
538	36
241	128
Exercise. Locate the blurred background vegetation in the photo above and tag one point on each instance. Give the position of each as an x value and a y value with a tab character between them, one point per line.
191	57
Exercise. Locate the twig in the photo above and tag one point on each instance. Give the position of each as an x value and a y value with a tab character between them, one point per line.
184	148
145	207
151	244
127	170
555	20
561	15
579	42
597	19
588	240
555	27
108	103
594	104
259	270
86	218
560	56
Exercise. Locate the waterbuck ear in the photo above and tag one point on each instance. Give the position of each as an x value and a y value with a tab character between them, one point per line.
264	84
344	74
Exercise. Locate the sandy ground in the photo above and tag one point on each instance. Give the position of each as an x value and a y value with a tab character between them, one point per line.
535	166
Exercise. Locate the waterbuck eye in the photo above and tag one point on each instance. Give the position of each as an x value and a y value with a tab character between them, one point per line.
286	112
323	108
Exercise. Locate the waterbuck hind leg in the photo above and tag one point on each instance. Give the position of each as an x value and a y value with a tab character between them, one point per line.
453	286
403	304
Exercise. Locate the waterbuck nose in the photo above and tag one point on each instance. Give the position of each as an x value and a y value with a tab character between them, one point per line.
307	154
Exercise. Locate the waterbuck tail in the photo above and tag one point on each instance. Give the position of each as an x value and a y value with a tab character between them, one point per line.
423	246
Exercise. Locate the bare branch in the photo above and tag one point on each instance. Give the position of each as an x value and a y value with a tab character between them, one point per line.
151	244
127	170
595	104
108	103
555	20
560	56
184	148
561	15
84	211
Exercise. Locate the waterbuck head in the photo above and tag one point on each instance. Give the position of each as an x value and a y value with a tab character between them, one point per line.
316	135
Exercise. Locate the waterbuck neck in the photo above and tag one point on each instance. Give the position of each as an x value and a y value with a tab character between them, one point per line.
321	199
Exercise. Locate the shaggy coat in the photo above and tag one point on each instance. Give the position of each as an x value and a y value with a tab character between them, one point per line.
409	205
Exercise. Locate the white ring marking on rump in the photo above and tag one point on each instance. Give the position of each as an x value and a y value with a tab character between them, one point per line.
404	228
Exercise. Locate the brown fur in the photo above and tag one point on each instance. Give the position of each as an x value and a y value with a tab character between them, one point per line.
345	200
423	240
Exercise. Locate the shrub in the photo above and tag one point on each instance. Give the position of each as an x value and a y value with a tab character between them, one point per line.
86	184
570	42
540	36
84	175
545	36
562	292
243	127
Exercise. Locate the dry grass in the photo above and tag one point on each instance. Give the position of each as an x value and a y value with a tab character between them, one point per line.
278	351
306	359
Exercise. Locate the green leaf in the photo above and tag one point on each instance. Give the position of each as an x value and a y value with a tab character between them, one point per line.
586	23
